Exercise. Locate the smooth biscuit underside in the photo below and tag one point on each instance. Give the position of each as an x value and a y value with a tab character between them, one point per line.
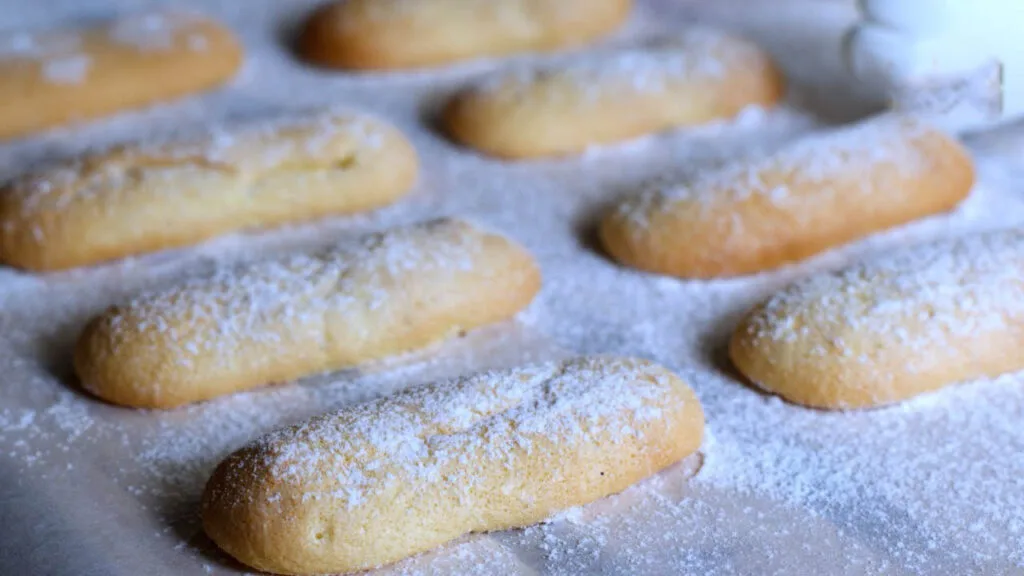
383	480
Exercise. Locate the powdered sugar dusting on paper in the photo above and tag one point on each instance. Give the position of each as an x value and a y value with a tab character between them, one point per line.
931	486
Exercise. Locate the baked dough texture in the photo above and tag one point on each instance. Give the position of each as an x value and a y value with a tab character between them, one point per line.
54	77
696	77
891	327
813	194
394	34
145	197
385	294
380	481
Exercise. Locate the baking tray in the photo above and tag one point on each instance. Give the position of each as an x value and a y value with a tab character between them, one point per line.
933	486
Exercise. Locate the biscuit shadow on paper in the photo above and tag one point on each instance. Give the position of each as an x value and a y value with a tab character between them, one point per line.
54	351
714	349
588	228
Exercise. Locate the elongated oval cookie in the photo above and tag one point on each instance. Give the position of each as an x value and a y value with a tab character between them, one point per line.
53	77
386	294
146	197
811	195
380	481
699	76
390	34
891	327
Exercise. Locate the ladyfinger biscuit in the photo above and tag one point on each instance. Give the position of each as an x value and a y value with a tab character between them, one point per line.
700	76
380	481
811	195
389	293
390	34
55	77
891	327
144	197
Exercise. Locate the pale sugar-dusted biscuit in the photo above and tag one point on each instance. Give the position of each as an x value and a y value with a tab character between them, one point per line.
699	76
380	481
145	197
388	293
390	34
892	326
48	78
808	196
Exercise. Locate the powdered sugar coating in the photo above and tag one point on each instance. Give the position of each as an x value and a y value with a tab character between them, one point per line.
899	315
886	142
962	287
38	46
696	55
927	487
70	70
151	32
505	11
245	150
60	54
431	434
270	301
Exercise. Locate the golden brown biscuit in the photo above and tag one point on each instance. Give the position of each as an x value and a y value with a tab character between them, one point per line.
380	481
389	293
389	34
51	78
809	196
144	197
601	98
891	327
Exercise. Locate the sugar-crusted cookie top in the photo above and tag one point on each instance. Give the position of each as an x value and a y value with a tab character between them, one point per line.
696	55
519	13
33	46
922	299
307	141
156	31
430	434
62	54
859	150
277	299
145	31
